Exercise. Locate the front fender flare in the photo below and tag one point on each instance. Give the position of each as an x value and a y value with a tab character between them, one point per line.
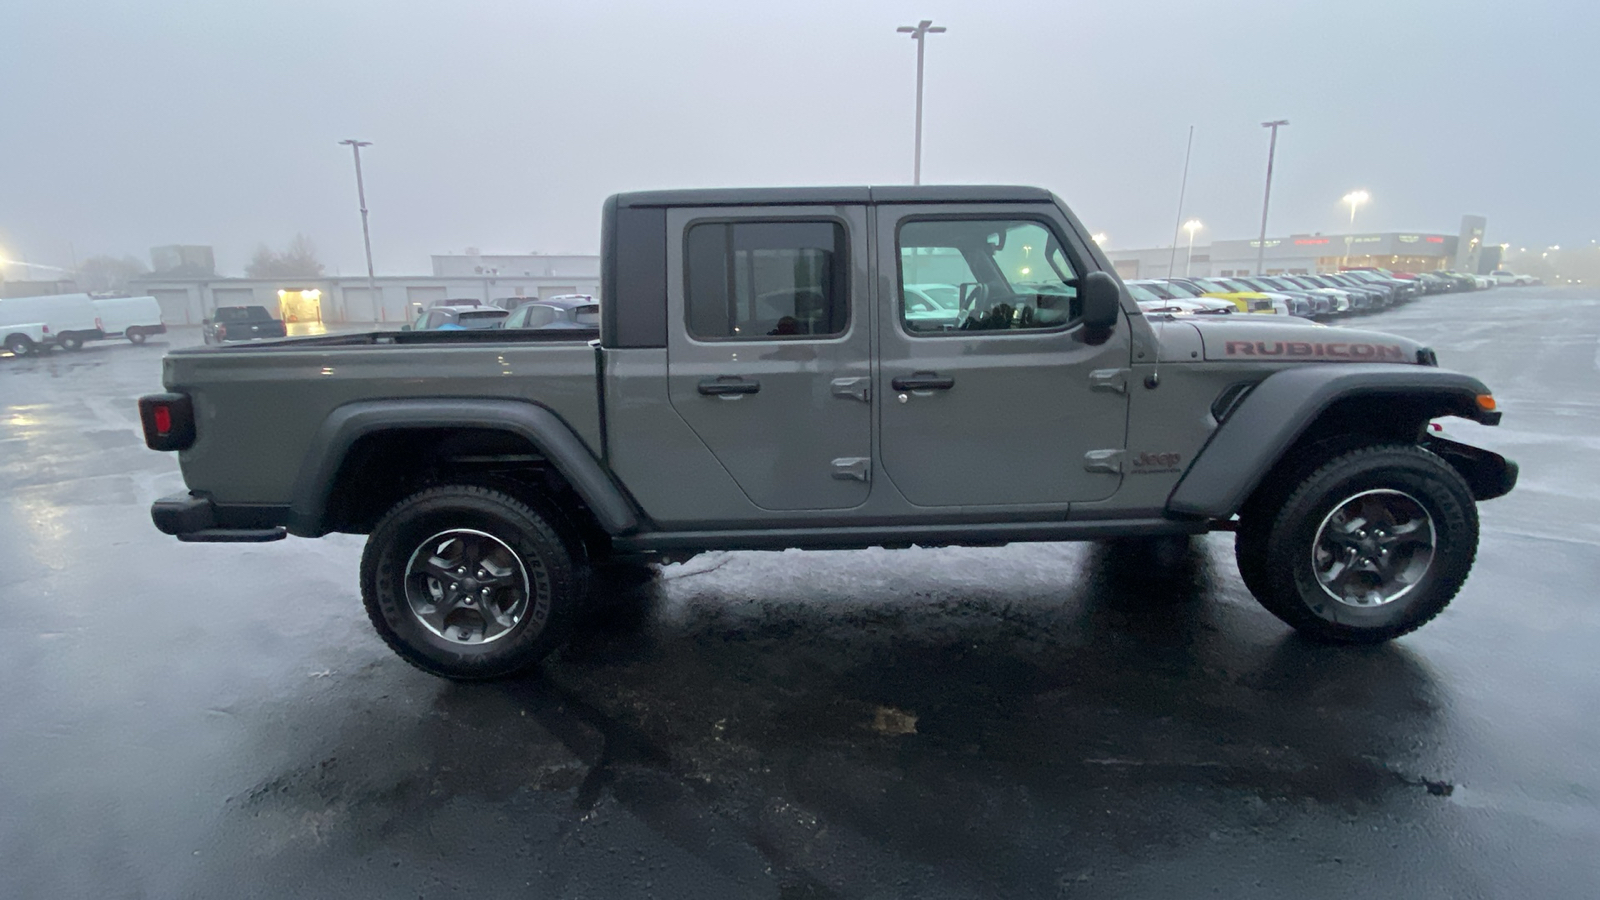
542	428
1264	425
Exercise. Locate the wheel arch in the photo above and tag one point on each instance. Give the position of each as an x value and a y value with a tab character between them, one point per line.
1298	408
349	468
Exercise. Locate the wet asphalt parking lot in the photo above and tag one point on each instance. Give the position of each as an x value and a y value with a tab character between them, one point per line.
1045	720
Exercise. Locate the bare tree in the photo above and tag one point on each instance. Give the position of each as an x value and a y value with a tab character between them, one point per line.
298	260
109	273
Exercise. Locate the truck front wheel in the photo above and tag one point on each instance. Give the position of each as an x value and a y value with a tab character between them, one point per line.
1368	546
469	582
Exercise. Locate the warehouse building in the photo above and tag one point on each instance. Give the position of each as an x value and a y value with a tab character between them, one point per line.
190	295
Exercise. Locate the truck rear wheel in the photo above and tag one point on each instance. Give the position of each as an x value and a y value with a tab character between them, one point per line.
70	341
1368	546
470	582
136	335
20	345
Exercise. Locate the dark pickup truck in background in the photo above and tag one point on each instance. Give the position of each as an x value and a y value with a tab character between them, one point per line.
761	379
230	324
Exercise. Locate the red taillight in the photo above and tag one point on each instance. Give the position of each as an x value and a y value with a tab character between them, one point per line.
47	329
168	421
222	332
99	325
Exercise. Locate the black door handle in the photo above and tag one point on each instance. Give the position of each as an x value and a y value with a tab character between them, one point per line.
923	381
728	384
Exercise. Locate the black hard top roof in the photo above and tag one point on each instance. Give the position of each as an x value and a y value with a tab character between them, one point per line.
831	196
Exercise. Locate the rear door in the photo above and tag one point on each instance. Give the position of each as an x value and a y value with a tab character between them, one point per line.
769	346
1005	399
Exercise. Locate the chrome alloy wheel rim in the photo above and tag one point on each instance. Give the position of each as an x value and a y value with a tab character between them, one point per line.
467	586
1373	548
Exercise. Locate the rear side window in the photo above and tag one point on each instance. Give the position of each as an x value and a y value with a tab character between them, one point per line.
766	280
479	320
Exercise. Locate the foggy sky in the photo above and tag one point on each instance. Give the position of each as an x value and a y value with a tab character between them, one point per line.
504	125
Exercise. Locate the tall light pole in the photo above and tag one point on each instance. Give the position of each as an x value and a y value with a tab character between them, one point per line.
366	235
1355	199
919	33
1190	226
1272	150
1183	186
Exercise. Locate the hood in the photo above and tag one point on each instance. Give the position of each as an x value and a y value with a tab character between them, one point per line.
1296	340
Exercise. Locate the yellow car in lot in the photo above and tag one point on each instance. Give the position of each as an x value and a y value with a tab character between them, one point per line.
1246	301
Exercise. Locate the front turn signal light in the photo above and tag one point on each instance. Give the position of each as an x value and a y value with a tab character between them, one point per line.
1486	402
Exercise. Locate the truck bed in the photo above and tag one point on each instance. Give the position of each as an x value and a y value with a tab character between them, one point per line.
258	406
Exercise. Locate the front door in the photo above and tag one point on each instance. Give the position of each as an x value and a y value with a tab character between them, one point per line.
993	393
769	349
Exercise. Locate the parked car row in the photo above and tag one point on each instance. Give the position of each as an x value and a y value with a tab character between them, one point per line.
1310	296
30	325
564	312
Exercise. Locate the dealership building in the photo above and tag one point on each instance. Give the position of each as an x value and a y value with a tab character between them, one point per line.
1297	254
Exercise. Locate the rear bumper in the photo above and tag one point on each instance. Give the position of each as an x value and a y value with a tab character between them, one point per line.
195	518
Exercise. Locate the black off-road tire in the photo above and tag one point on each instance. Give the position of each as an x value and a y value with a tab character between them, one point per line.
554	560
21	345
1277	530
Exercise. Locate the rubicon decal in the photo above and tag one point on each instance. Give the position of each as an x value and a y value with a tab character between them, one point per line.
1317	350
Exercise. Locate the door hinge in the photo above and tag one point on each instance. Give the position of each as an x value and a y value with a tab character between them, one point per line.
859	388
1107	461
1112	380
853	468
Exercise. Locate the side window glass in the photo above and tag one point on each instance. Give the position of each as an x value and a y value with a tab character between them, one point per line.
538	316
766	280
984	275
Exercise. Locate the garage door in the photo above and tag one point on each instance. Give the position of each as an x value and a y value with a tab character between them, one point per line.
426	295
358	305
556	291
174	307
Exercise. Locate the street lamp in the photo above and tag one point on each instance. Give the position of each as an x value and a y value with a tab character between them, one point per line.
1272	150
1190	226
1355	199
366	235
919	33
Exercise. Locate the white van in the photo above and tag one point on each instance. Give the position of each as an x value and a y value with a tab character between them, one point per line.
26	338
134	318
70	317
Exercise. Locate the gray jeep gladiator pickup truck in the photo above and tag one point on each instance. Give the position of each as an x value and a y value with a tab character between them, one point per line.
832	368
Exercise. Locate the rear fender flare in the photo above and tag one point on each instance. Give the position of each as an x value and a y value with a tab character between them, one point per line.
553	438
1268	421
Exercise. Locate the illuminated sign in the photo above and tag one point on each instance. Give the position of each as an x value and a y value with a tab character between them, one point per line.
1437	240
1409	239
1304	241
1271	243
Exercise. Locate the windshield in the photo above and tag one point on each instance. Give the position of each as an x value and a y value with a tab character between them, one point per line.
1180	290
1142	293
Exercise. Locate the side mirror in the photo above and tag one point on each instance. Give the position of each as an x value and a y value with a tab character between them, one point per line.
205	321
1102	301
